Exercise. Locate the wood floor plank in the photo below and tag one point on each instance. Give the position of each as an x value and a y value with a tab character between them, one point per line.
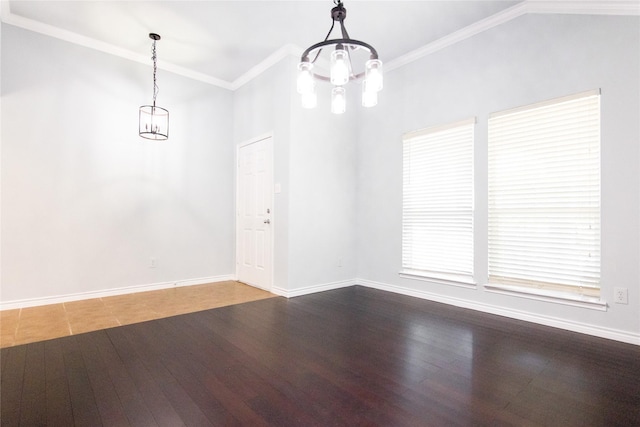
157	403
368	403
83	403
34	387
57	398
269	369
107	399
348	357
250	371
11	383
194	378
215	365
160	351
130	396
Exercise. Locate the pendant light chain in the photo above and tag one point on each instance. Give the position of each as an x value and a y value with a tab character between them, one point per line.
154	57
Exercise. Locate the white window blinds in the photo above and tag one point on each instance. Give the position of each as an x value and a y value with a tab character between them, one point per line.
437	202
544	195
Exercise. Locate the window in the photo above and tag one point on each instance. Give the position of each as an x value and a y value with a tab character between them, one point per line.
544	195
437	202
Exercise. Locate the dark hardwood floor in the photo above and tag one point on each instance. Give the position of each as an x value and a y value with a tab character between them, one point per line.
354	356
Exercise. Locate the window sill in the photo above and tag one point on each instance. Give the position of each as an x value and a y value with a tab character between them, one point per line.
565	298
461	281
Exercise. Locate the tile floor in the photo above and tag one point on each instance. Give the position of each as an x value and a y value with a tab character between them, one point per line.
22	326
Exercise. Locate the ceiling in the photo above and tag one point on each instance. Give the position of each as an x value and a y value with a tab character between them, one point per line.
225	39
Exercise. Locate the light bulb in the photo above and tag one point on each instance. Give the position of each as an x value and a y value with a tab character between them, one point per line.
369	97
373	75
338	100
339	67
306	84
309	100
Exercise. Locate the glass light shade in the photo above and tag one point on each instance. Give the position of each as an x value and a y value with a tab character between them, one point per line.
309	100
373	76
339	67
153	122
306	84
369	97
338	100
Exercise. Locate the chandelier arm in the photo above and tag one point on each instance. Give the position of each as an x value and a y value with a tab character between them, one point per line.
345	34
325	39
305	54
328	79
333	23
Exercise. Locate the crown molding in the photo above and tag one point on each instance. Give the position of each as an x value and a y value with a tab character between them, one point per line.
520	9
49	30
5	10
631	8
460	35
585	7
271	60
186	72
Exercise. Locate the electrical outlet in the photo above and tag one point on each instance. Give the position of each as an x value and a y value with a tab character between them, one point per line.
152	263
621	295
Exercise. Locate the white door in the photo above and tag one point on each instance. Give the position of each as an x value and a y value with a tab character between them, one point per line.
254	218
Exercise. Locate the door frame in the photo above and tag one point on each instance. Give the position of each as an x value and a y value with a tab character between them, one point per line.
271	162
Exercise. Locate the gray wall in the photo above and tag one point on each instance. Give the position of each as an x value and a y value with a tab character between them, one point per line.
529	59
86	202
323	188
261	107
314	163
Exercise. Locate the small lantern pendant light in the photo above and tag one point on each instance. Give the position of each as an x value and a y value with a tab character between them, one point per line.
153	120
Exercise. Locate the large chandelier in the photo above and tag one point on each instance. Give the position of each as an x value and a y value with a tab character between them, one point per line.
341	70
154	120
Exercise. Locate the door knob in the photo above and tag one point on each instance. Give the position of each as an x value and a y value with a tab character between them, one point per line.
266	221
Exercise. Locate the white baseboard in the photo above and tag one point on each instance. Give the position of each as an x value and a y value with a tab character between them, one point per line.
312	289
34	302
612	334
